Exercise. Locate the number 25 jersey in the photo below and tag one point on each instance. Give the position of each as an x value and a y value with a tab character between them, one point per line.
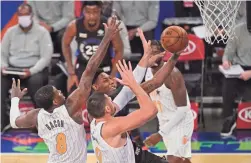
88	42
65	139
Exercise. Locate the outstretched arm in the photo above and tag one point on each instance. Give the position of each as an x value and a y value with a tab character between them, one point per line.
16	119
126	94
118	49
160	76
147	109
79	97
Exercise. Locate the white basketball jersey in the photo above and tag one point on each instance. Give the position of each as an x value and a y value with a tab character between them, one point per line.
107	154
65	138
164	101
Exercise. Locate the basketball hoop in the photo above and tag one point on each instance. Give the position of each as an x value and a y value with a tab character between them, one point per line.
219	18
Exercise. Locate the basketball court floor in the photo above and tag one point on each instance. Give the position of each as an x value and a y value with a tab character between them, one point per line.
208	147
197	158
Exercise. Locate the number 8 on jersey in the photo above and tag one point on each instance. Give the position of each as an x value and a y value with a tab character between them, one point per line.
61	143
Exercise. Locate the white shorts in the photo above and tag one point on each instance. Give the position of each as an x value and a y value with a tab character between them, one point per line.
178	141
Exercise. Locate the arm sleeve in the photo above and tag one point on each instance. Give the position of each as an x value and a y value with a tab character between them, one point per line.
178	116
126	94
230	50
5	48
46	51
14	111
68	15
153	16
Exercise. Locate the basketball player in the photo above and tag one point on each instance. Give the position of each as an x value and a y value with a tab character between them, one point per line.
103	83
125	96
174	114
110	139
59	122
122	95
88	31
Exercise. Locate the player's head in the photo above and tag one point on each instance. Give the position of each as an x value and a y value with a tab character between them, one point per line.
156	49
48	96
103	83
24	13
100	105
92	12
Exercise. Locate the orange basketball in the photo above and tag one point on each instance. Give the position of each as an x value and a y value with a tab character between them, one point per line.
174	39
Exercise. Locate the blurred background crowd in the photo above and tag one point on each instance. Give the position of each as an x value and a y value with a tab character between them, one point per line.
52	42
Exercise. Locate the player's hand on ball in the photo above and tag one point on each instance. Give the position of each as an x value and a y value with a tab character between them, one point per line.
152	140
126	74
16	90
112	27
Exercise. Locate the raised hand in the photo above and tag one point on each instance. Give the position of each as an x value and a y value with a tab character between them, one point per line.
126	74
148	58
146	45
155	59
143	39
16	90
112	27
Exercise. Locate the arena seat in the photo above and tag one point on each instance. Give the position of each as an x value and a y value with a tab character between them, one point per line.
243	115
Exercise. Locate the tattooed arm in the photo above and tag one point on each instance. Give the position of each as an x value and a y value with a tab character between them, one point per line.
79	97
161	75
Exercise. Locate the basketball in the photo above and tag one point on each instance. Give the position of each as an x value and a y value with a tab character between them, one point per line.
174	39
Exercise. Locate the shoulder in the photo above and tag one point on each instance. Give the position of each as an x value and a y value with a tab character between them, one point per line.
73	23
12	29
176	74
33	115
40	29
175	78
240	27
38	111
71	28
175	71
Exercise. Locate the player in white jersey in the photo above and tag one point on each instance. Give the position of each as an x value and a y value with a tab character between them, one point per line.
59	122
174	114
104	84
111	141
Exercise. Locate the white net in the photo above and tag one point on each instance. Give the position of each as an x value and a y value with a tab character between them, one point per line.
219	18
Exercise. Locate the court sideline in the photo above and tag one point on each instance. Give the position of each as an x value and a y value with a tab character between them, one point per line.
197	158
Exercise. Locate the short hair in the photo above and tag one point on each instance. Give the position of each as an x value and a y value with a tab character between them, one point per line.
91	3
157	43
26	4
44	97
96	105
98	72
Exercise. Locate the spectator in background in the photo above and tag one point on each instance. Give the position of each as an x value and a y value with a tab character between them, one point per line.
238	51
134	14
89	31
241	14
107	12
54	16
26	46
